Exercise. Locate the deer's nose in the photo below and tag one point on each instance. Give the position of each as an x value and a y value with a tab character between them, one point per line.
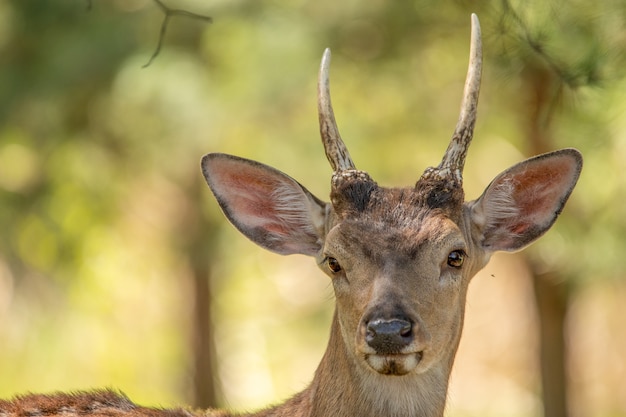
388	337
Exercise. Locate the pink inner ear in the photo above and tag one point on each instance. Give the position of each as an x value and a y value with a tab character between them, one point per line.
539	189
267	206
519	228
525	200
250	192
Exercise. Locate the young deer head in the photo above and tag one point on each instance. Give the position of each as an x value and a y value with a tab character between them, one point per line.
400	259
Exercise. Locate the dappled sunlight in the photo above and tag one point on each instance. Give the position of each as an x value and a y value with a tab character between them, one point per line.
498	346
19	167
597	348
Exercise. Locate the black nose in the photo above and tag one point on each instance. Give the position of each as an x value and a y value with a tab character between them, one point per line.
388	336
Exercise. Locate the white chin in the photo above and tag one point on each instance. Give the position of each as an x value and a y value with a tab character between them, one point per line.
394	364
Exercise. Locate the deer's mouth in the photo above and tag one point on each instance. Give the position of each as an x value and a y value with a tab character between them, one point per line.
394	364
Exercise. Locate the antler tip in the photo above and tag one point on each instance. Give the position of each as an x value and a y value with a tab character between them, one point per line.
475	26
454	158
336	150
325	64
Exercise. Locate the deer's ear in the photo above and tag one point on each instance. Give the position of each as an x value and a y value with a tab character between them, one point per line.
267	206
524	201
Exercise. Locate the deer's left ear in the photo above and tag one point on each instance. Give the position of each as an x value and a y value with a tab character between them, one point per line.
268	207
524	201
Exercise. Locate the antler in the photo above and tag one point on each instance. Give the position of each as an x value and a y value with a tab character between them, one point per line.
454	158
336	150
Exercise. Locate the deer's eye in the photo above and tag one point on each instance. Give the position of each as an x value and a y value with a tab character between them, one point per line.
456	258
333	264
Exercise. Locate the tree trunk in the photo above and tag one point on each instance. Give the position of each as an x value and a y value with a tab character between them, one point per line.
204	386
551	300
551	295
198	241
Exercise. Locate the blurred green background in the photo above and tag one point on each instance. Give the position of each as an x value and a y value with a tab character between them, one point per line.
118	270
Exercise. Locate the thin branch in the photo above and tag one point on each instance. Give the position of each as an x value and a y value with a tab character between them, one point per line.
538	48
169	12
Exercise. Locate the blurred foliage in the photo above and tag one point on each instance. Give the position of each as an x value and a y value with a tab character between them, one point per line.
580	51
99	166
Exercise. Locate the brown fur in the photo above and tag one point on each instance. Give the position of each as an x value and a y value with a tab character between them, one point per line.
93	403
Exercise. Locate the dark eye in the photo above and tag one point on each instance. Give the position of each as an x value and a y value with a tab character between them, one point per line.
456	258
333	264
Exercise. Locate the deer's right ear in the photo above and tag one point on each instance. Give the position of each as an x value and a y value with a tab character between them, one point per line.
269	207
524	201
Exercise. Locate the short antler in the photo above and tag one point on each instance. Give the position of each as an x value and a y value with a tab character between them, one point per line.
454	158
336	150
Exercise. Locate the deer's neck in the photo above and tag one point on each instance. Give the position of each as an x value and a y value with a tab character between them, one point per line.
342	387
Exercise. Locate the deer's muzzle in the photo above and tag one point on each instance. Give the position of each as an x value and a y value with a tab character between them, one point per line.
391	344
388	337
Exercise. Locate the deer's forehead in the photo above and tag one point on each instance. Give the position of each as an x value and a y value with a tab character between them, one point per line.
399	211
386	236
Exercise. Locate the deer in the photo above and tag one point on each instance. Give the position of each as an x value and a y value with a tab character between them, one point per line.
399	259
